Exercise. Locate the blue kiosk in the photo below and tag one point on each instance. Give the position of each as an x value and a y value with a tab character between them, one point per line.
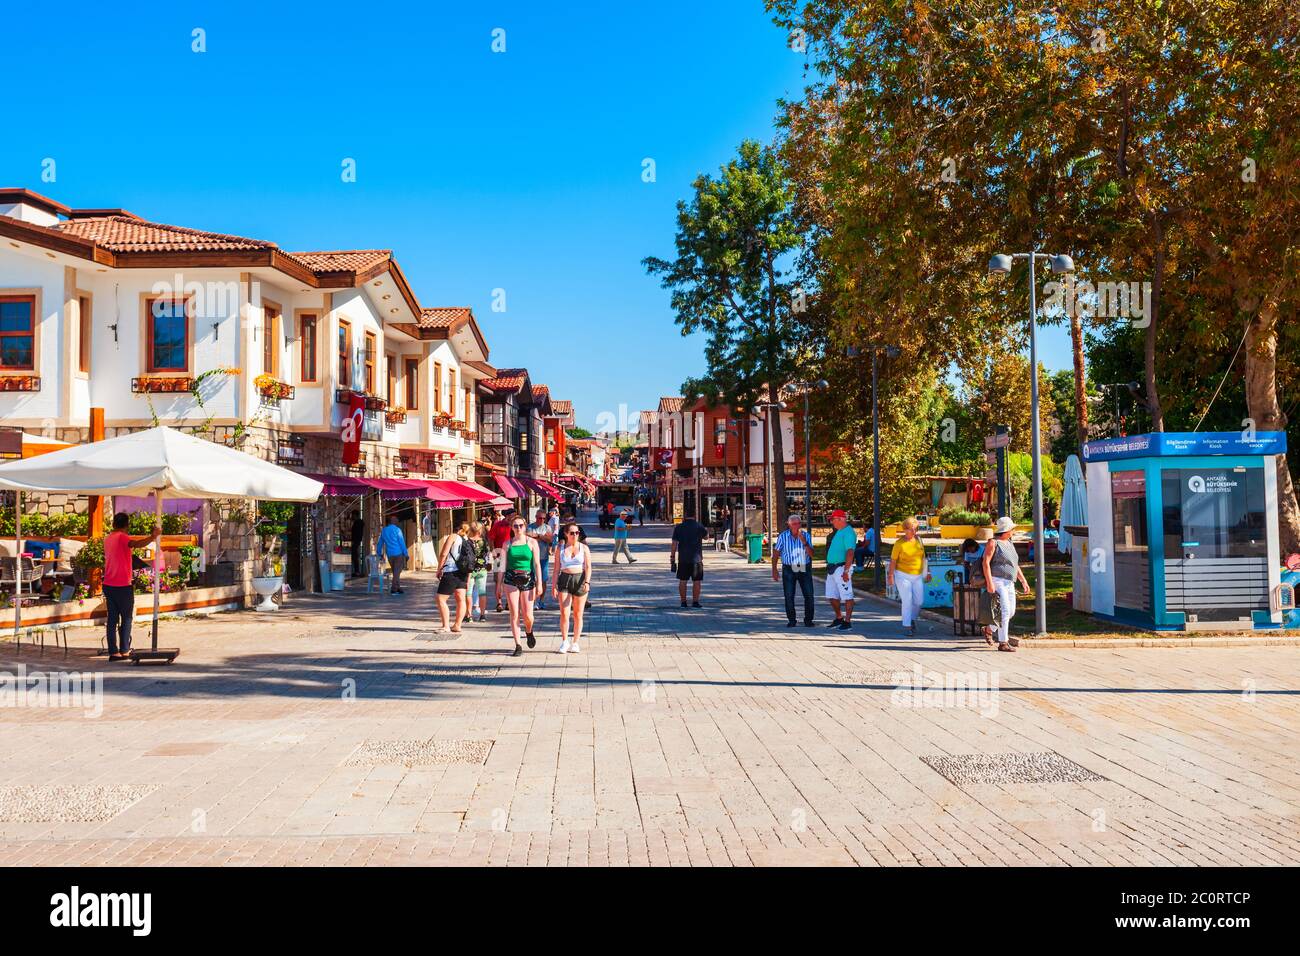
1183	529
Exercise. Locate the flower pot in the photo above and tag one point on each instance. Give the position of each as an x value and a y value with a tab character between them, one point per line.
266	586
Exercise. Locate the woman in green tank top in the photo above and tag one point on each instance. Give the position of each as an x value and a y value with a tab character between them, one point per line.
522	574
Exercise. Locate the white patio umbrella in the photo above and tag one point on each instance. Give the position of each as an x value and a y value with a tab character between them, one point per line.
158	461
1074	501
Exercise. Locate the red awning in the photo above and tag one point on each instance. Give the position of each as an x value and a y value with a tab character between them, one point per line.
471	492
545	489
510	487
392	489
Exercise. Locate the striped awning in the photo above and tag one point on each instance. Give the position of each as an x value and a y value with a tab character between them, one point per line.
510	487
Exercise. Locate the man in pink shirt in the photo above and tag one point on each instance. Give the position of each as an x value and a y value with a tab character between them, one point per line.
119	594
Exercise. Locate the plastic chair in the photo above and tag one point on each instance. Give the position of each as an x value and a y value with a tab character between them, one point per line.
375	573
723	543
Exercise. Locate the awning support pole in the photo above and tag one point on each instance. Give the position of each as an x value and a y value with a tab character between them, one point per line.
18	563
157	561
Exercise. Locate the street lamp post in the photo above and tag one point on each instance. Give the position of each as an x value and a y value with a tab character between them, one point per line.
1001	265
807	388
890	351
767	444
733	428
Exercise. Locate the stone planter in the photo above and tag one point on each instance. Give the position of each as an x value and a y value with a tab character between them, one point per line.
266	586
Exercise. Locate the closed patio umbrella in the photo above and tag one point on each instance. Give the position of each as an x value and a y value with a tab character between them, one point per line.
158	461
1074	501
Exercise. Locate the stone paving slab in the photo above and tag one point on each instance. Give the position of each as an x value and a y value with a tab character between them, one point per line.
334	732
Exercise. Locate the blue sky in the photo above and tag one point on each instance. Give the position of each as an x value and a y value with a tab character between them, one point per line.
519	170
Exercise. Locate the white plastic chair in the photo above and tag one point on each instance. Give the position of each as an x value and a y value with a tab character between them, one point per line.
376	573
723	543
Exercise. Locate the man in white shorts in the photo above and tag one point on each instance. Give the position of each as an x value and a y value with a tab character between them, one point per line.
839	569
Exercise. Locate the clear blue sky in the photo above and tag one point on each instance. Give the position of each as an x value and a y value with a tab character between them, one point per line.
519	170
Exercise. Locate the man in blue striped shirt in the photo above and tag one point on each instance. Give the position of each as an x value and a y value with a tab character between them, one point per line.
793	549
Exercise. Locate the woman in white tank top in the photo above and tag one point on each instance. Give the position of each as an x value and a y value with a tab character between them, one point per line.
570	584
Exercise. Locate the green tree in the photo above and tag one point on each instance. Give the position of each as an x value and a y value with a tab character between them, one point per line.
732	279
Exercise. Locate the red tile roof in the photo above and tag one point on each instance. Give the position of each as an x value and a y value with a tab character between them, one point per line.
541	393
561	406
671	403
349	260
507	380
443	318
126	234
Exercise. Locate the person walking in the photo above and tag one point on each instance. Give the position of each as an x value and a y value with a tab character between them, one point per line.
839	560
498	535
909	571
1001	572
476	584
358	532
793	551
542	534
571	585
620	538
392	545
523	575
640	513
119	591
453	578
687	558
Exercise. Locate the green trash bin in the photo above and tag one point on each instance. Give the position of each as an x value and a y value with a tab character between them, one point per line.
755	548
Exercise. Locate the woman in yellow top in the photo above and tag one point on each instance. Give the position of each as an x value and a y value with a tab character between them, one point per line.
909	571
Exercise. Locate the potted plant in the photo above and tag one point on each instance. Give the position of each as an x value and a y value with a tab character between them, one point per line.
395	415
270	387
88	565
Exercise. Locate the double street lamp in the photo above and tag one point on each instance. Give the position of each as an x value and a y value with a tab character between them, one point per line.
806	389
891	351
1001	265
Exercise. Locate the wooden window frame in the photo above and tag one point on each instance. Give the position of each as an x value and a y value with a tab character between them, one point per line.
301	318
411	383
32	296
451	391
272	316
437	388
85	332
146	341
390	378
343	346
369	354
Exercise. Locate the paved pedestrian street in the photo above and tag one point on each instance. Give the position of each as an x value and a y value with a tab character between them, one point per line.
342	730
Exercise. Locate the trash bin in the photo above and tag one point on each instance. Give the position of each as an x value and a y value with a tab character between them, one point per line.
755	547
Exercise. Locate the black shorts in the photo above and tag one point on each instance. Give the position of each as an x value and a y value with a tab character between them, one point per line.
690	570
451	582
570	582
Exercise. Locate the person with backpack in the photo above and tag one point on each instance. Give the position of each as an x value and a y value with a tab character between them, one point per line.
392	545
477	590
455	561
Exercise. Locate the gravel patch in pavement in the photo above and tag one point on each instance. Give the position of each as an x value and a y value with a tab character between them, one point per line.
887	676
412	753
999	768
68	804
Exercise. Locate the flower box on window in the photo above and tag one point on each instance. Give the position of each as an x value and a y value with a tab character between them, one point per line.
442	420
457	425
20	383
470	434
273	389
395	416
162	384
375	404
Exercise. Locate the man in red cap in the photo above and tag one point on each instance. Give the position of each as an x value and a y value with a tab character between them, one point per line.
839	569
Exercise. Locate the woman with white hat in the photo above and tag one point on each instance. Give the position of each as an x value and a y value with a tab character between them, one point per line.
1001	571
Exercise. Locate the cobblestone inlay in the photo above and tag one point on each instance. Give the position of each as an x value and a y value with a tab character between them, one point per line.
1046	767
464	671
67	804
413	753
435	636
887	676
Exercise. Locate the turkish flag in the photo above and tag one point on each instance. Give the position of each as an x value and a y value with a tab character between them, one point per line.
351	432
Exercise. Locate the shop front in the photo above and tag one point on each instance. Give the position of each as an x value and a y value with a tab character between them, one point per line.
1183	529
